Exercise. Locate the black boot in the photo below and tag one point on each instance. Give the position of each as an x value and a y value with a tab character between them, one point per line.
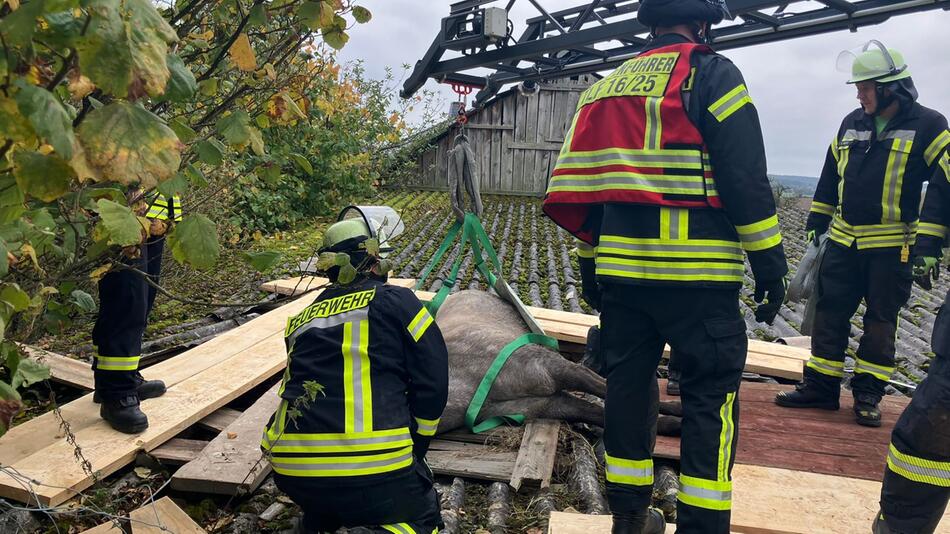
146	389
866	412
651	523
124	415
808	394
673	387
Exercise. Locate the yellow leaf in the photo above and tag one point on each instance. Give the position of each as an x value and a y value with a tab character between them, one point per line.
14	4
31	252
235	239
258	235
79	85
242	54
45	149
100	271
269	70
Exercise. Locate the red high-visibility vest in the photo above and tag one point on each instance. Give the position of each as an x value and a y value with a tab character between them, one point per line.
632	142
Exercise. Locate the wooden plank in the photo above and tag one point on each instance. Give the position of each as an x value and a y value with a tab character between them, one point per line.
507	136
531	136
478	462
576	523
535	461
497	114
232	462
550	147
491	126
240	361
162	517
105	528
521	129
219	420
178	451
62	369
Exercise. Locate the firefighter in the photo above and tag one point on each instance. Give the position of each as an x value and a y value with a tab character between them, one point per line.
869	195
125	300
917	477
663	174
354	454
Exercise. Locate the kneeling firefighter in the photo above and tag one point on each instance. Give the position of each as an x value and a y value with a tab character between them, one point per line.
663	176
364	389
869	195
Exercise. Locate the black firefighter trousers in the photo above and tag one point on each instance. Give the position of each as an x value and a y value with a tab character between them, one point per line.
125	300
917	478
847	276
706	330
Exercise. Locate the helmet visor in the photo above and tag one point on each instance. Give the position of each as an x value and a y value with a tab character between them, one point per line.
721	4
384	223
870	61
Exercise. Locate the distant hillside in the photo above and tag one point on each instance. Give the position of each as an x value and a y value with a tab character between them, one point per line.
804	185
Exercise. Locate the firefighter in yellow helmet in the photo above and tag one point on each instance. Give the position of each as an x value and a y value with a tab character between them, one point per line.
663	179
869	196
354	454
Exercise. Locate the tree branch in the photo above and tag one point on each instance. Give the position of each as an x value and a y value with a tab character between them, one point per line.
163	291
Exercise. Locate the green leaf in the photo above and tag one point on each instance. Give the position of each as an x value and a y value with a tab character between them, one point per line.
15	297
371	246
176	185
130	145
270	173
336	38
347	274
17	27
47	116
303	163
7	393
181	85
208	87
124	48
257	16
236	129
262	121
182	130
195	176
62	28
30	372
195	241
257	141
362	15
4	260
210	152
11	200
122	226
326	261
315	14
292	106
40	176
262	261
13	124
83	300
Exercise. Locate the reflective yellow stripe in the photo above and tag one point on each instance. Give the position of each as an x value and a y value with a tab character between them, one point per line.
631	181
873	235
670	270
918	469
726	436
646	158
585	250
761	235
936	147
844	154
821	207
826	367
400	528
894	180
653	131
630	472
419	324
932	229
702	493
877	371
834	149
427	427
731	102
342	466
668	248
357	386
117	363
379	440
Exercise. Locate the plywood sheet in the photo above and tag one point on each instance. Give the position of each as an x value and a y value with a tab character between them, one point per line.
161	517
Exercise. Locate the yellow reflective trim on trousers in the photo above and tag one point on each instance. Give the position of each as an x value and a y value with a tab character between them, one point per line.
670	271
821	207
400	528
726	436
918	469
826	367
668	248
585	250
708	494
357	386
653	131
630	472
932	229
730	103
664	223
761	235
427	427
674	224
894	180
342	466
419	324
274	432
379	440
880	372
936	147
117	363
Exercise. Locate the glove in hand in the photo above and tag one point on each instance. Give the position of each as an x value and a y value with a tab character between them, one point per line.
770	295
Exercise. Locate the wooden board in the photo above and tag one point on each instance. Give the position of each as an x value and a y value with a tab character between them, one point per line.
470	460
163	517
105	528
203	380
232	462
536	456
178	451
62	369
304	284
220	419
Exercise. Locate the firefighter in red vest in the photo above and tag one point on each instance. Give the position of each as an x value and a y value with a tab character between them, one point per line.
663	173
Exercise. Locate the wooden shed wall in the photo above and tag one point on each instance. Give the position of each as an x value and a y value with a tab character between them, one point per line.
516	140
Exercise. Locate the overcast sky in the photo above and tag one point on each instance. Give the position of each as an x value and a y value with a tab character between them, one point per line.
800	95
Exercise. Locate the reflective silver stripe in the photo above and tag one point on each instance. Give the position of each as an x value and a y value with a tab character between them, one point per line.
836	371
942	474
654	132
703	493
760	236
279	462
427	428
329	322
892	209
706	269
288	441
423	323
903	135
635	159
575	181
355	355
869	230
662	247
722	108
854	135
635	472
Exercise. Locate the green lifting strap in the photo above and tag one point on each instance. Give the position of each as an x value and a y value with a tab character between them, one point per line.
471	414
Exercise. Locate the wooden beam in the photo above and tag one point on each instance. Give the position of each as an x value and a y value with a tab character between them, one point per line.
162	517
469	460
233	462
178	451
217	372
535	461
62	369
219	420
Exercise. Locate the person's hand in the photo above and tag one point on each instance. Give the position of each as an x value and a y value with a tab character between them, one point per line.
157	227
770	295
925	269
813	237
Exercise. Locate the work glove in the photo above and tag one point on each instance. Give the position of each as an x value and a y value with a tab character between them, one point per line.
925	269
770	296
813	237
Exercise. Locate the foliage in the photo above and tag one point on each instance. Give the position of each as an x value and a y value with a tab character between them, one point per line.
103	101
